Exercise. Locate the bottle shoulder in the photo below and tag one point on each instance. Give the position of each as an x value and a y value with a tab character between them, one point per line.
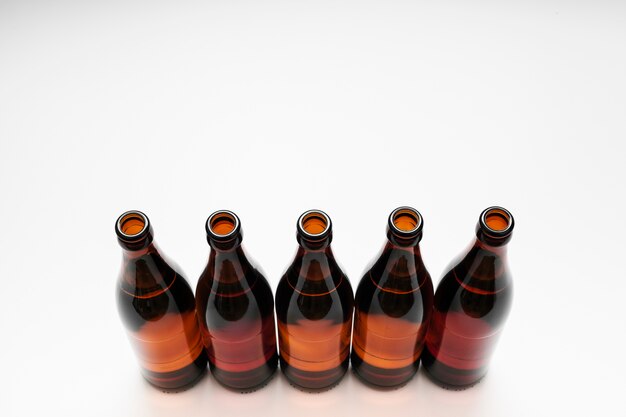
465	296
315	280
221	304
253	285
314	302
140	308
465	275
397	270
149	275
412	302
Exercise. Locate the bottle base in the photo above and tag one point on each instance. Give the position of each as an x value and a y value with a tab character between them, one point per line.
380	378
179	380
314	382
450	378
247	381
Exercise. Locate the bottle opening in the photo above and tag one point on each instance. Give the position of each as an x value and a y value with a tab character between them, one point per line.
314	223
222	224
497	220
132	224
405	221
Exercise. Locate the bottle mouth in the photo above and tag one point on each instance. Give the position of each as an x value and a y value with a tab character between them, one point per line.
405	221
132	226
314	225
497	221
223	225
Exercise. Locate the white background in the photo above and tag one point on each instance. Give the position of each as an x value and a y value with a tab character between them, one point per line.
269	108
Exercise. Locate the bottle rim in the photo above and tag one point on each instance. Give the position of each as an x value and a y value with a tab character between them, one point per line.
414	218
496	221
312	215
123	226
226	217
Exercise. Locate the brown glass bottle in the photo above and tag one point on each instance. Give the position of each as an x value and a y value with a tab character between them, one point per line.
236	310
314	305
157	308
393	305
472	303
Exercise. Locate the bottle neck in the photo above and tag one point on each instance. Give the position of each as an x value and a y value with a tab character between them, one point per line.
229	265
136	244
403	242
225	246
135	250
232	253
314	246
134	231
130	255
404	227
414	248
315	264
491	243
400	267
314	231
484	267
488	245
400	262
227	260
145	272
316	253
495	228
493	232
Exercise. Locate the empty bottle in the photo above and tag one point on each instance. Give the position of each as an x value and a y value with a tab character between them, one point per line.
157	308
314	305
472	303
393	305
236	310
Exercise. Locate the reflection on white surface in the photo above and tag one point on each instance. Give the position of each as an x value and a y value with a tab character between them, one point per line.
278	397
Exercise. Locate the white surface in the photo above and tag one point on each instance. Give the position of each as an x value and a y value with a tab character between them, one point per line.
271	108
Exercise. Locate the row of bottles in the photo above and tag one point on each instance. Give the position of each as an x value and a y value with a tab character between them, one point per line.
398	319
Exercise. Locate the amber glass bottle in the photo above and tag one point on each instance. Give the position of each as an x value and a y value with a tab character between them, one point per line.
393	305
157	308
472	303
314	304
236	310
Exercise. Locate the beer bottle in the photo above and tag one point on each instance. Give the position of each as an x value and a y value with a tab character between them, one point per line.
157	307
393	305
472	303
314	306
235	308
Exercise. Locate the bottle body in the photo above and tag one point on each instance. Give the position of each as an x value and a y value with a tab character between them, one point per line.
235	308
393	305
237	322
471	305
314	307
157	308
